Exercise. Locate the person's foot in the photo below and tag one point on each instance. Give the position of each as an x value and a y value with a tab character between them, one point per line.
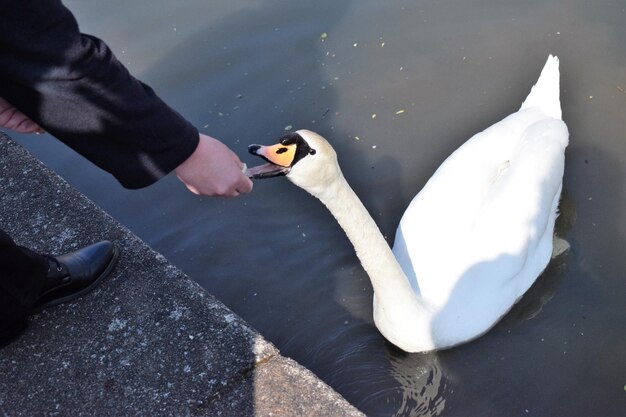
10	329
75	274
12	118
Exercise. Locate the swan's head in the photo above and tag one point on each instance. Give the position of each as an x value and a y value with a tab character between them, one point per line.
305	157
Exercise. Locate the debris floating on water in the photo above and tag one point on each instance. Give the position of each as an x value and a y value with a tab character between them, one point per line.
288	127
373	115
400	112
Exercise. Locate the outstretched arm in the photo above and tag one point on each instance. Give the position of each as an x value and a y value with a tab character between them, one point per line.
73	86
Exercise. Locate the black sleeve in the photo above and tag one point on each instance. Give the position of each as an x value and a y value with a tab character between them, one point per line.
73	86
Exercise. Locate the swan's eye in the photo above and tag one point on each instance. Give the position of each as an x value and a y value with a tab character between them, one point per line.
290	139
297	147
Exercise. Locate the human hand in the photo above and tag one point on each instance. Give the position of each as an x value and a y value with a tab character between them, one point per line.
213	170
12	118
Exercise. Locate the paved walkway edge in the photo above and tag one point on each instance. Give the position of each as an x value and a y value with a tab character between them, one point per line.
149	341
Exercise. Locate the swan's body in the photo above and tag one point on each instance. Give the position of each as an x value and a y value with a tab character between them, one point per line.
472	241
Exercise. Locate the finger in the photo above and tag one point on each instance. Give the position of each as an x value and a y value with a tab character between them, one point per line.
27	126
232	194
14	121
237	160
7	118
244	185
18	121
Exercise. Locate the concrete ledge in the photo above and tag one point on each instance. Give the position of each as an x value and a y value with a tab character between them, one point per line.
148	341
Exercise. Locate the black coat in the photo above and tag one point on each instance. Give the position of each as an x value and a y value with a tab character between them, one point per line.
72	85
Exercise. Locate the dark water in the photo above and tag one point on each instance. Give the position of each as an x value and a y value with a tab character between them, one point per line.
243	71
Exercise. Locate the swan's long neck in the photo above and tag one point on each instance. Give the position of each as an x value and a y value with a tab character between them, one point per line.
386	275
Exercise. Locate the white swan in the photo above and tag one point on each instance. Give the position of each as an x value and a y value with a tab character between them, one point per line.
471	242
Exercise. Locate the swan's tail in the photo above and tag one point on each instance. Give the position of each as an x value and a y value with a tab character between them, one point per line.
545	93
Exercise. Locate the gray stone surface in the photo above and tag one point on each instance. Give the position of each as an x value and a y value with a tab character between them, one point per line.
148	341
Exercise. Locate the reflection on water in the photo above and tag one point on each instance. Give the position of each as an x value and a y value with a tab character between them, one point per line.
433	73
420	381
417	389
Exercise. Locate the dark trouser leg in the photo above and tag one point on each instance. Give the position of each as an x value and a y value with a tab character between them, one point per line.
22	273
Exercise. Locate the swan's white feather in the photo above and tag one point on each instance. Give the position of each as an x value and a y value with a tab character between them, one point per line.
480	231
473	240
545	93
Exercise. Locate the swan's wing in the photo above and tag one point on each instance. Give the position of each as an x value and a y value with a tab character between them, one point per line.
478	223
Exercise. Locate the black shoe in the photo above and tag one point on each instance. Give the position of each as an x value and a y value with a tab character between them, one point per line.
75	274
9	331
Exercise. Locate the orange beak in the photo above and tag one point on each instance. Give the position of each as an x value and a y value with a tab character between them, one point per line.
280	158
